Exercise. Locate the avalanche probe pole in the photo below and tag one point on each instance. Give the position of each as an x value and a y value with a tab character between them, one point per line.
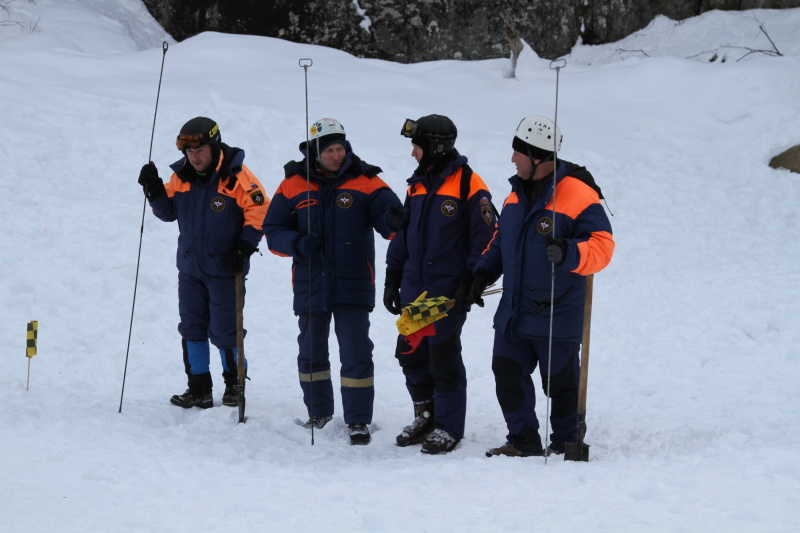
578	450
240	370
164	48
306	63
557	65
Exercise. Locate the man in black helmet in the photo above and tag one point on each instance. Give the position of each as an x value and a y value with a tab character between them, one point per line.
220	206
451	221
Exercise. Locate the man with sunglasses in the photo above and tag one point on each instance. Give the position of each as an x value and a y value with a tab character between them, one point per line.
451	221
324	215
220	206
548	240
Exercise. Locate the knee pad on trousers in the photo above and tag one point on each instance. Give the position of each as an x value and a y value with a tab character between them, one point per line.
563	392
508	383
444	365
409	362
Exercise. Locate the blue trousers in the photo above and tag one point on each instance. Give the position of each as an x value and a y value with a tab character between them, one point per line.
513	363
436	370
357	372
207	309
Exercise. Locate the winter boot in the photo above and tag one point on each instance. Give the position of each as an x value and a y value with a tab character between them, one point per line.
420	427
438	441
189	399
526	444
359	434
317	421
197	395
231	396
231	376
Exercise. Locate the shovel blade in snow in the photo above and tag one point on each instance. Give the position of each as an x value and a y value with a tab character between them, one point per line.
576	451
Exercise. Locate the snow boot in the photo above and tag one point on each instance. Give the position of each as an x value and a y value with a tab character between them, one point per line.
189	399
526	444
197	395
359	434
438	441
317	421
231	396
420	427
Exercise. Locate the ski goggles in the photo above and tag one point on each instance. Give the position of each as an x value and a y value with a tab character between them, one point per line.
410	128
189	140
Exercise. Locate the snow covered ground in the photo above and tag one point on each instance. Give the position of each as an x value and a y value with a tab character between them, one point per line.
692	403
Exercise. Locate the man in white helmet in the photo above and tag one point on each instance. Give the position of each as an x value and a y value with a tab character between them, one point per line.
530	244
323	215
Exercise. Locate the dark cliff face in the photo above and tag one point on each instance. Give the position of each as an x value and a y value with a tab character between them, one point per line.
409	31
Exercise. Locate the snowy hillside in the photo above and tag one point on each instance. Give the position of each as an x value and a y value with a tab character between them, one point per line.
692	396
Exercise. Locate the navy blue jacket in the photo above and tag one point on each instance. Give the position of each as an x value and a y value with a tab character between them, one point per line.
517	251
444	235
343	211
212	216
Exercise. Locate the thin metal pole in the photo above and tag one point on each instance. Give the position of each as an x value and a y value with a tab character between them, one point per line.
557	65
306	63
164	48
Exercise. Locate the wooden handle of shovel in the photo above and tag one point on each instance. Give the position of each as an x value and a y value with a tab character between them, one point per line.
587	327
240	342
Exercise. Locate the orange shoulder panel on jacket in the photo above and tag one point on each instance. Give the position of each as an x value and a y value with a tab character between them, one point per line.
364	184
176	185
511	199
452	185
476	185
415	189
291	187
572	196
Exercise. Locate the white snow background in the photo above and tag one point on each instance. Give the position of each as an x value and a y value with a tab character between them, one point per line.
693	385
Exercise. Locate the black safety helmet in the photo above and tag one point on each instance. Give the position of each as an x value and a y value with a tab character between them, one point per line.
435	134
198	132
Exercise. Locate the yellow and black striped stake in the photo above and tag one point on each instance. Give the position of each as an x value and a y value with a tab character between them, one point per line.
30	350
33	332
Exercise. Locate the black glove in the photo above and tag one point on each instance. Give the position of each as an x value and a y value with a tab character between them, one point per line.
397	216
391	292
480	280
309	245
153	185
236	258
462	295
556	250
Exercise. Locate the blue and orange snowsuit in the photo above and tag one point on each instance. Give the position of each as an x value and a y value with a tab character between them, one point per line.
343	209
444	237
212	214
522	321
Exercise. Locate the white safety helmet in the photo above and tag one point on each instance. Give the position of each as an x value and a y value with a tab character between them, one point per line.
325	132
326	126
537	137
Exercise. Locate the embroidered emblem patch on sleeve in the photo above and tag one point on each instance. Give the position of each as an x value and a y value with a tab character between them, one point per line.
487	215
258	197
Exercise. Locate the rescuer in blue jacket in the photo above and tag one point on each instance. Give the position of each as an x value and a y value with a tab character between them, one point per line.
324	219
451	221
548	240
219	205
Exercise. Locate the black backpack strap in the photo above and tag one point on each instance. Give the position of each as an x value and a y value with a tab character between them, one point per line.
466	178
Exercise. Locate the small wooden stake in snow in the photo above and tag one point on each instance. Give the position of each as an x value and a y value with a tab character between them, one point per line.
30	350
